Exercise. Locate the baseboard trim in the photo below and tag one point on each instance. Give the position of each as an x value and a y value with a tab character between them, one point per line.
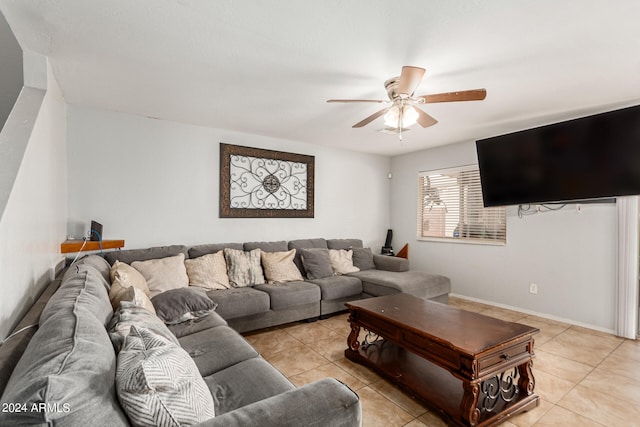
535	313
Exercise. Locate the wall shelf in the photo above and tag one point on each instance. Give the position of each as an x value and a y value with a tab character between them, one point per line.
69	246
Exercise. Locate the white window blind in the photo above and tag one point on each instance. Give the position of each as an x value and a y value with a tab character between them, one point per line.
450	208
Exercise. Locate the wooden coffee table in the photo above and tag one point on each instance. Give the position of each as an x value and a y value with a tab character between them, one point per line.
474	369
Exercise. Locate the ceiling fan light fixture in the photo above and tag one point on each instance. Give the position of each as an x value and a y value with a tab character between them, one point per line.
409	116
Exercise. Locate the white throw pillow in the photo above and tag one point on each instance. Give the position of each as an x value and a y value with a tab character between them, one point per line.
279	266
117	294
124	276
163	274
208	271
342	261
158	383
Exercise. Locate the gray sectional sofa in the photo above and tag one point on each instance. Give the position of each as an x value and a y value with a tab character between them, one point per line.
262	306
60	365
63	372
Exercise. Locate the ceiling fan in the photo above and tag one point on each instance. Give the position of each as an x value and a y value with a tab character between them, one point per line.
402	111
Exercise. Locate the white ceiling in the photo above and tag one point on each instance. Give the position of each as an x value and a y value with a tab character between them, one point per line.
267	66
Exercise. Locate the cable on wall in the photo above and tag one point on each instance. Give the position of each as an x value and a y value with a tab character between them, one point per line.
526	210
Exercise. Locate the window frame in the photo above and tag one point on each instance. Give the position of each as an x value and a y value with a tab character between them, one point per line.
498	214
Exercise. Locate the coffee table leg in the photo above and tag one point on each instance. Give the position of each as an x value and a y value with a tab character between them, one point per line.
526	382
352	341
469	405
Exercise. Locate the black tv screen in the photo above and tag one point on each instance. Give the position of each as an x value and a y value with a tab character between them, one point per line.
587	158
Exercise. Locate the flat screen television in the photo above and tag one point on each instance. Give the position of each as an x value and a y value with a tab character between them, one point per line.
591	157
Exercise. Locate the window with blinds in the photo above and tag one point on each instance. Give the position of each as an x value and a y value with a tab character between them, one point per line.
450	208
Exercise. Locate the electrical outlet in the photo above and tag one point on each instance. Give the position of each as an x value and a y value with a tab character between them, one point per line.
533	288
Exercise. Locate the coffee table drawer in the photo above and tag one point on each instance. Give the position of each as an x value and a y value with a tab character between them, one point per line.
381	328
504	356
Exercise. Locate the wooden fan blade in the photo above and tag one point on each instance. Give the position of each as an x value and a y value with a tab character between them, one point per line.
370	118
424	119
465	95
379	101
410	79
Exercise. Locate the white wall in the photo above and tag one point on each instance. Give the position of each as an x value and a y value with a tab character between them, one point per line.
570	255
154	182
34	221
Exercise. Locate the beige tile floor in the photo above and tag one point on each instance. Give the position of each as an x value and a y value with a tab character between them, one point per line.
583	377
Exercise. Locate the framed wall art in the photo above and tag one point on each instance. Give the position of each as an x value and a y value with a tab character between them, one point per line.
257	183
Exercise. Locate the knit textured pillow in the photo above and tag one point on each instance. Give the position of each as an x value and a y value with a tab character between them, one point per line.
158	383
279	266
208	271
244	268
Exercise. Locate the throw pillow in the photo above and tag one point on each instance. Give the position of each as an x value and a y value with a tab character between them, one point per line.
163	274
180	305
117	294
125	276
341	261
129	314
244	268
279	266
158	383
208	271
363	259
316	263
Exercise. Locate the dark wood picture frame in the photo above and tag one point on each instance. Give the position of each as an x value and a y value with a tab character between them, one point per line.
258	183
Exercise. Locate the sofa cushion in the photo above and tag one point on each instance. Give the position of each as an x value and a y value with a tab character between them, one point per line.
208	271
344	243
81	285
200	250
217	348
163	274
244	268
279	266
156	252
239	302
279	246
159	384
70	363
390	263
285	295
189	327
99	263
245	383
305	244
417	283
316	263
363	258
180	305
129	314
342	261
336	287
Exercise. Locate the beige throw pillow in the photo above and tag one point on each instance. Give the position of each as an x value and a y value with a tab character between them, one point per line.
163	274
341	261
125	276
279	266
117	294
208	271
